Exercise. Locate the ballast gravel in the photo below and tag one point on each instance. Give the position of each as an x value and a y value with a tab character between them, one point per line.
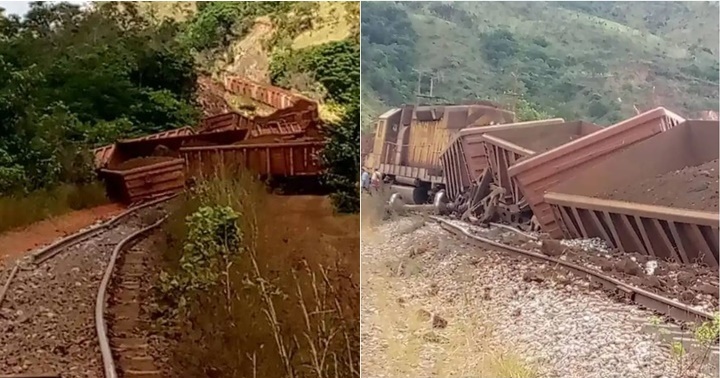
550	319
47	321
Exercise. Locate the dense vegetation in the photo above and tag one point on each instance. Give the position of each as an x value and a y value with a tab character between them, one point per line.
333	70
578	60
73	79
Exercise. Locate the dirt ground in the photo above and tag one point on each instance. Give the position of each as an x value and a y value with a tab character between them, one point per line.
694	188
692	284
306	221
18	242
434	306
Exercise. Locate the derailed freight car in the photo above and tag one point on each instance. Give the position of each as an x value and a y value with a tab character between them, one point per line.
541	172
409	140
663	205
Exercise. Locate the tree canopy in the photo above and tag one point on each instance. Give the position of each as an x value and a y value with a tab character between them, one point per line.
72	79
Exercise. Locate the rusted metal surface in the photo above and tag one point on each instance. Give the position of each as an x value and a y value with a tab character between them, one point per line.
267	159
539	173
671	233
136	148
295	113
676	310
226	121
409	140
260	144
464	159
275	97
508	146
145	182
386	129
107	155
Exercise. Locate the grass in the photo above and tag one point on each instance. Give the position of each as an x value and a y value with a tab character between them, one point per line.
21	210
330	25
464	349
287	305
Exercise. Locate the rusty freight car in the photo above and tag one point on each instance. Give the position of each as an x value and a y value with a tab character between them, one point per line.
409	140
658	197
538	173
144	178
109	155
507	146
265	159
464	160
294	115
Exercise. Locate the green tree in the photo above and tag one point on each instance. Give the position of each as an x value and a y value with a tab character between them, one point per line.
341	159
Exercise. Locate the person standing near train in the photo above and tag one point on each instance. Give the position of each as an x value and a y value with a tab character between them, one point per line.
365	181
376	179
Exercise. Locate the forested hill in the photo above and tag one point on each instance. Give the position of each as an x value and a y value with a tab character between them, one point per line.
75	78
595	61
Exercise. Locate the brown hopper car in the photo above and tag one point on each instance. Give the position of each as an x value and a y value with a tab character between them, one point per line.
539	173
658	197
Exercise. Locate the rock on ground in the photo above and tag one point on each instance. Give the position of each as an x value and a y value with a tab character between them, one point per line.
497	315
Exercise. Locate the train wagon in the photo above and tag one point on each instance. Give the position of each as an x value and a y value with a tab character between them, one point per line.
658	197
294	115
409	140
506	147
290	159
536	174
109	155
464	160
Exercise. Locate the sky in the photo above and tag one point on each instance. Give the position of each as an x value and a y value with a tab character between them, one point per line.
20	7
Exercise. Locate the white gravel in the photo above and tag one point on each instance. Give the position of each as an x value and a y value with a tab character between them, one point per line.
561	330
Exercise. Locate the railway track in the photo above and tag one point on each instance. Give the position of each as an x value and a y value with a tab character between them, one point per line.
673	309
52	308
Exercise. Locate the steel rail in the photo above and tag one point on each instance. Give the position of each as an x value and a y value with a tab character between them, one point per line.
7	283
674	309
100	325
53	249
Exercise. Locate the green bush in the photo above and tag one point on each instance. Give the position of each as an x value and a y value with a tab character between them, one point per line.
213	239
94	76
341	159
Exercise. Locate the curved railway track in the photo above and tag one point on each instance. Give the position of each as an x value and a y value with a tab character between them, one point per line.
668	307
52	311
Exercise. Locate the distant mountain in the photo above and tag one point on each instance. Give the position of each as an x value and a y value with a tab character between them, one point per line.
597	61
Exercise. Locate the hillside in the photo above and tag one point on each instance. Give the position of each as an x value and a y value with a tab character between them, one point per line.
268	42
74	78
578	60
